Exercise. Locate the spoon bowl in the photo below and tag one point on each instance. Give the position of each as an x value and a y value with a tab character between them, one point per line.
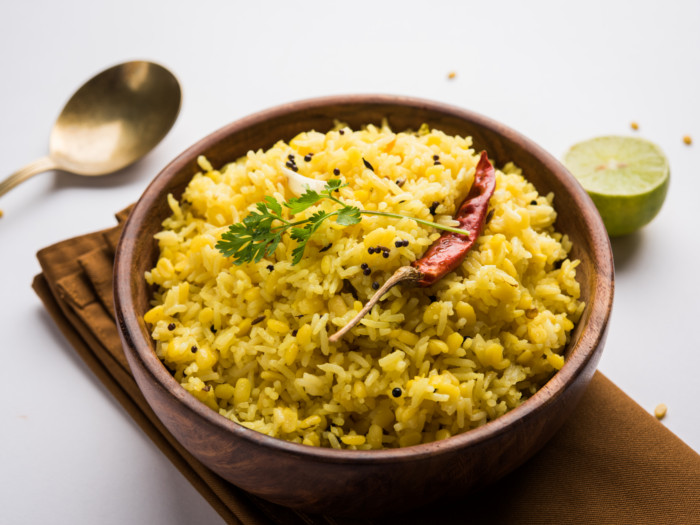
112	121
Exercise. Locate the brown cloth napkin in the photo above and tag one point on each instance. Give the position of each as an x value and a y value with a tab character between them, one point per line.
611	462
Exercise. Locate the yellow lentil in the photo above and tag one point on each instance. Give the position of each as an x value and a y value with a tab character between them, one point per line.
277	326
660	411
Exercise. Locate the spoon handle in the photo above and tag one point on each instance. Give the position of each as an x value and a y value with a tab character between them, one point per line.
31	169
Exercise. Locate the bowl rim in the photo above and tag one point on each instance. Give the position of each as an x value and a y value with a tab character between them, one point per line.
134	335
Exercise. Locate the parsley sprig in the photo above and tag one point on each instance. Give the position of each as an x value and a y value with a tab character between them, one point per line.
261	230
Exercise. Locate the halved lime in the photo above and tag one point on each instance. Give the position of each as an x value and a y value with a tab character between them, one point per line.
627	178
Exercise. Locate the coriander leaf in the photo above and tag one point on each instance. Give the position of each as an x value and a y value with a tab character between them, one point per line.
302	235
299	234
348	215
333	185
255	223
232	240
270	245
253	218
306	200
275	206
312	224
298	253
253	238
246	244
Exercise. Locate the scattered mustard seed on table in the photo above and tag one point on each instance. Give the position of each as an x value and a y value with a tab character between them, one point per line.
687	140
634	126
0	214
451	75
660	411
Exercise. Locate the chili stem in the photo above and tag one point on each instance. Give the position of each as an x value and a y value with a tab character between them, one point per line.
402	274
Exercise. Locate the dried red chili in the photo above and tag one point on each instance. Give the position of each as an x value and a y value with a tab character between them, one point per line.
448	252
450	249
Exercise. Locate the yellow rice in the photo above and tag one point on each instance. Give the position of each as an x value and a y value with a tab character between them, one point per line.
251	341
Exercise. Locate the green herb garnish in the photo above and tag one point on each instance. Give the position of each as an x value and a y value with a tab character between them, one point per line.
261	231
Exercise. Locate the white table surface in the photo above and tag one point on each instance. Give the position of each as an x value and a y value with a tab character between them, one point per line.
559	72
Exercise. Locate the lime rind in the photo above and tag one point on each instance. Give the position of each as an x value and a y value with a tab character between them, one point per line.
627	214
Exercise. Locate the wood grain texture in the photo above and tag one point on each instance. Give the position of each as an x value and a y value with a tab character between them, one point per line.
346	482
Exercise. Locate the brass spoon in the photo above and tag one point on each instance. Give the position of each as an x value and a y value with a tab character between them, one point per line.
113	120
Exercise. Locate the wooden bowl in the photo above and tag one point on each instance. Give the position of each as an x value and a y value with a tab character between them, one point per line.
348	482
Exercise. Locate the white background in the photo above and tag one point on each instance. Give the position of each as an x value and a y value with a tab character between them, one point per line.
559	72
